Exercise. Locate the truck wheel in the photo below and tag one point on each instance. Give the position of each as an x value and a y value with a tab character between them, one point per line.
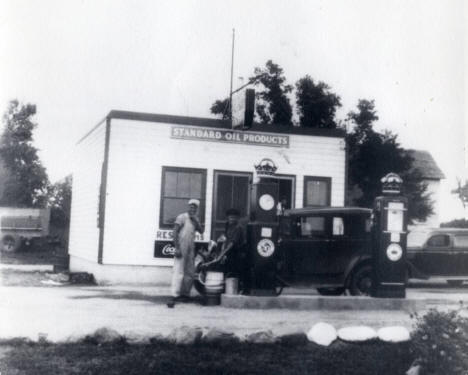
330	291
10	243
361	281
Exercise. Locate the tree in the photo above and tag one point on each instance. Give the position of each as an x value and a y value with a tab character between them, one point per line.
316	104
372	155
462	192
27	181
273	106
60	195
221	107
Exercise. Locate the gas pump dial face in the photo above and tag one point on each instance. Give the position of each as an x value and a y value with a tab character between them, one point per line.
266	202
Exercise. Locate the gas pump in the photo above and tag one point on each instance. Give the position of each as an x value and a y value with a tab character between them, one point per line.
389	240
262	230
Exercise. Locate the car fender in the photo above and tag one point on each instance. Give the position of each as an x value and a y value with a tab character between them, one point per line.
414	273
358	260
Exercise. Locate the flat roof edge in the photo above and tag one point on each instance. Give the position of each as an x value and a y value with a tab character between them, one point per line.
222	124
91	130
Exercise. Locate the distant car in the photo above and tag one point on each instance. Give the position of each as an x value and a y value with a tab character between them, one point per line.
327	248
443	254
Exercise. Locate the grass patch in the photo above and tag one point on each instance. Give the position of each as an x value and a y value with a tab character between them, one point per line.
237	358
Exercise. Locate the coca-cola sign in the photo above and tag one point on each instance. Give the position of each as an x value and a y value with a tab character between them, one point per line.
165	249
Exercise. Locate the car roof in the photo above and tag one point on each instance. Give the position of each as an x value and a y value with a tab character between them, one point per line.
328	210
448	231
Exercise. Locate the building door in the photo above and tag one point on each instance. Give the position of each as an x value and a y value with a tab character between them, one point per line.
231	190
286	189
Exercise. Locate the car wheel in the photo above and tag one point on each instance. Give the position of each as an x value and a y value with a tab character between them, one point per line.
330	291
361	281
9	243
455	282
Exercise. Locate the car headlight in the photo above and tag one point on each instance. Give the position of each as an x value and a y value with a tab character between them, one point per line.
394	252
266	247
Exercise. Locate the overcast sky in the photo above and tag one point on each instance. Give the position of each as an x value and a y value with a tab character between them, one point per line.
77	60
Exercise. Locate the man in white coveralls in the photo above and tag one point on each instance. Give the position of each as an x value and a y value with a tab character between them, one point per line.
185	226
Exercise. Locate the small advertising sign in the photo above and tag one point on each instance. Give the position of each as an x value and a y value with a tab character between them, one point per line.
165	249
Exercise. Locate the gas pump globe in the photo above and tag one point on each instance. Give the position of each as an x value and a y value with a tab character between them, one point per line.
262	230
389	240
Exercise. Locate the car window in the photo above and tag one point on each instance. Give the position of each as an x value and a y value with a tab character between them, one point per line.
460	241
312	226
439	240
338	226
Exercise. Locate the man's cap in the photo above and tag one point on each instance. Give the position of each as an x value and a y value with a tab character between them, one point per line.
232	212
195	202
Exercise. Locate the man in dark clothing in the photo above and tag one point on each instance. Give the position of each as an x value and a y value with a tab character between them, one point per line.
233	251
233	246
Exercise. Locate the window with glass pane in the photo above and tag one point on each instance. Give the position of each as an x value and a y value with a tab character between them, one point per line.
312	226
317	191
178	186
441	240
460	241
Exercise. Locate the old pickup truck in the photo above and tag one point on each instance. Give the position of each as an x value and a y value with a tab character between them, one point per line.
442	254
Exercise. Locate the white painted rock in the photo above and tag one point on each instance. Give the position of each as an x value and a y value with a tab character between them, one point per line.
393	334
215	335
357	333
322	334
261	337
185	335
105	335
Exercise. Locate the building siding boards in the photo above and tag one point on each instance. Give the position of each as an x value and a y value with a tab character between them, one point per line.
84	232
139	149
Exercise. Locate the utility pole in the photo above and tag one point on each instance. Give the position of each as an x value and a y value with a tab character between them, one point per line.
232	73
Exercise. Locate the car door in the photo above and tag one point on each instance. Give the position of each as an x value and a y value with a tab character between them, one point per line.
308	247
350	238
436	257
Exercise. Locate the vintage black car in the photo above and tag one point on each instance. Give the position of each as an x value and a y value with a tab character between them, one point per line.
327	248
442	254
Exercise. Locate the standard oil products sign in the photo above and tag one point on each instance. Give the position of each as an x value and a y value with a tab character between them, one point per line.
229	136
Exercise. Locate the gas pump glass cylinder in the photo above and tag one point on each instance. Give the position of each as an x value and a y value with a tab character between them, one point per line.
395	216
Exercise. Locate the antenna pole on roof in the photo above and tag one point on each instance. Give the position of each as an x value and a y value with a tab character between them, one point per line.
232	73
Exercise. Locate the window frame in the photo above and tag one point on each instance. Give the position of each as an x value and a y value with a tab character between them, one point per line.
201	209
445	246
323	233
317	178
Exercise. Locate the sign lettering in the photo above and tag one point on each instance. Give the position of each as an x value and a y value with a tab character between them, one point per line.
167	235
229	136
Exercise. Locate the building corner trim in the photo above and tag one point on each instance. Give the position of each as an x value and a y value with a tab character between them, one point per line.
104	191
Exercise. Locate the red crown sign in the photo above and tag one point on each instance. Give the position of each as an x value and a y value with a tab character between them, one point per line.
266	167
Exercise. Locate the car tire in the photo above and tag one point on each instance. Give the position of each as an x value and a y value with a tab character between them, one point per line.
361	281
455	282
10	243
331	291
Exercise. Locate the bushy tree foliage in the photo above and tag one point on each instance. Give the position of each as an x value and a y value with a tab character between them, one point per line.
272	103
60	195
372	155
462	192
316	104
221	107
27	182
